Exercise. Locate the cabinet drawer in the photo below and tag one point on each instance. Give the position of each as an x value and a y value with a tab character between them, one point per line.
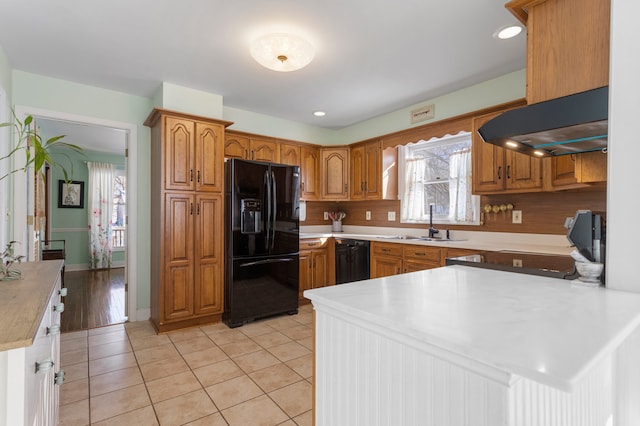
387	249
313	243
423	253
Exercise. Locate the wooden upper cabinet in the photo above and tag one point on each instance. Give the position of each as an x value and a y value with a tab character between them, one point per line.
357	173
264	150
179	152
498	170
247	147
193	155
209	157
309	173
567	46
290	154
236	146
335	173
366	171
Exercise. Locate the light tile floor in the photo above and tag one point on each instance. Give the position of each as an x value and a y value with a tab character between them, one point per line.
126	374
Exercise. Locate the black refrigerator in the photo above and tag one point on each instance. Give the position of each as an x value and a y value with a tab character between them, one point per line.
261	240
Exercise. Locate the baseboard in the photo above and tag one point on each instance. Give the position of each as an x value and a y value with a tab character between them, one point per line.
142	315
85	266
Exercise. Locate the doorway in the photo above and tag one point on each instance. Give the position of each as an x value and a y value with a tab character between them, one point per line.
57	123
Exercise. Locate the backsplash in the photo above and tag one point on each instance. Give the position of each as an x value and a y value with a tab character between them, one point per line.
542	213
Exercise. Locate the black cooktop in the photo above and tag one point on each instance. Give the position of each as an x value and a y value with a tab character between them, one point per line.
547	265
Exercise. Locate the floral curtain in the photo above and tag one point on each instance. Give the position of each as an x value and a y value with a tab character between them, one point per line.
100	201
461	207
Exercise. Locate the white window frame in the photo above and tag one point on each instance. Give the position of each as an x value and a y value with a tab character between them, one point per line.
402	168
123	172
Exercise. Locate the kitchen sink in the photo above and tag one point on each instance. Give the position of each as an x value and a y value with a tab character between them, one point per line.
411	237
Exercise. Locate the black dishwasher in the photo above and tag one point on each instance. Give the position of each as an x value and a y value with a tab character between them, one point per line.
352	260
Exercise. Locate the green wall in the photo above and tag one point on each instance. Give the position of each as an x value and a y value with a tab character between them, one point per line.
35	91
71	224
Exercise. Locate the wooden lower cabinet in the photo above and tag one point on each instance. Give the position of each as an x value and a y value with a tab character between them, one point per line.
191	285
315	265
396	258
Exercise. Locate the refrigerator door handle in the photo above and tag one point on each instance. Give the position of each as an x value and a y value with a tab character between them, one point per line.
265	262
274	207
267	220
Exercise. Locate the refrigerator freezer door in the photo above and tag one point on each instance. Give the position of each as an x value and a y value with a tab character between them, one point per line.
286	209
261	287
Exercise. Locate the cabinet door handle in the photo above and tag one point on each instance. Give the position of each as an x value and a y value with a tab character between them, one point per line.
499	172
361	186
420	254
398	270
63	292
44	366
58	379
246	154
191	208
509	172
385	249
302	186
53	330
311	244
191	175
345	187
365	185
58	308
198	176
198	210
253	155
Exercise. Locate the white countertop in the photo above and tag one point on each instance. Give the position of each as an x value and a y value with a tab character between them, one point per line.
545	329
473	240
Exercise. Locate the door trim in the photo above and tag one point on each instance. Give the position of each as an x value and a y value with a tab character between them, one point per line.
20	188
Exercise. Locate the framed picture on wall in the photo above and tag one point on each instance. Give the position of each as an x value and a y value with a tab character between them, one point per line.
71	194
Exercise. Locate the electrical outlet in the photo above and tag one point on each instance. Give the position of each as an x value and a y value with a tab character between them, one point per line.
391	216
326	215
367	215
516	216
517	263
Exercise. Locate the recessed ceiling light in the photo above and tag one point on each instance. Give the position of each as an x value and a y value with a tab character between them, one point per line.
508	32
512	144
319	113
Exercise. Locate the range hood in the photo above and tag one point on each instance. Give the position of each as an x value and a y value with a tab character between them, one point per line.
568	125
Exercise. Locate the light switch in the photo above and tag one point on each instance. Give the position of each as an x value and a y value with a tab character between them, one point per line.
326	215
367	215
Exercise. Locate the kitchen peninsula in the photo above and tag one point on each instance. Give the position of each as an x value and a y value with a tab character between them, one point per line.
467	346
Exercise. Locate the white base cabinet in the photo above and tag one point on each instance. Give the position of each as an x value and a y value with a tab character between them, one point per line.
30	376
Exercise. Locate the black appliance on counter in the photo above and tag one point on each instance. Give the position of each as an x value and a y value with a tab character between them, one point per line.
261	240
547	265
352	260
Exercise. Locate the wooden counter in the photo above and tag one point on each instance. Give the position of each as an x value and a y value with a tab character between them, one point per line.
23	302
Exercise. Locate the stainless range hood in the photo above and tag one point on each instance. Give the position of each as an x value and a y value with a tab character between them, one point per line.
569	125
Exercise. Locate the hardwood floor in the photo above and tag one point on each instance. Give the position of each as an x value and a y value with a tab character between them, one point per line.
95	299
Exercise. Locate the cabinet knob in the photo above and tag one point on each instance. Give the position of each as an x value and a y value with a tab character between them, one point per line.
58	308
63	291
53	330
44	366
58	379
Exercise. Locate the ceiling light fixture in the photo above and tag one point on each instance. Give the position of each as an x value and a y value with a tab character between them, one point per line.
319	113
282	52
508	32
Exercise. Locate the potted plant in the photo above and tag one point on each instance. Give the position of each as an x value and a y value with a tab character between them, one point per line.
9	264
37	151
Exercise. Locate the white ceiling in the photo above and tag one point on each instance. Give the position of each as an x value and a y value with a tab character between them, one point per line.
373	56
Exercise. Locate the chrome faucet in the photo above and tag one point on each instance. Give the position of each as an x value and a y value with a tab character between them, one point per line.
432	231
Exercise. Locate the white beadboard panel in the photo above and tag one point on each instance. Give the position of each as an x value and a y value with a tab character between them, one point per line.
534	404
365	378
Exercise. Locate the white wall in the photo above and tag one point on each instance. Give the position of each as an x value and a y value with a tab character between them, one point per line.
5	143
623	193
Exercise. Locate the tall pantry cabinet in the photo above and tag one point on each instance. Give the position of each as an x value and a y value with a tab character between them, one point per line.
187	226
